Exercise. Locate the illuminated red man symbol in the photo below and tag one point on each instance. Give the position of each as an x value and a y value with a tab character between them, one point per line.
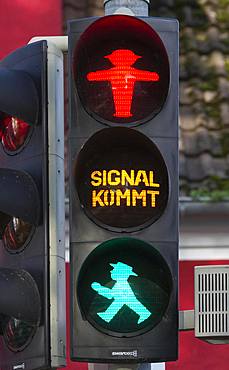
122	78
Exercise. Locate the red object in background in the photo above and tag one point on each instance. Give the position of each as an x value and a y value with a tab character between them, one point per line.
122	78
20	20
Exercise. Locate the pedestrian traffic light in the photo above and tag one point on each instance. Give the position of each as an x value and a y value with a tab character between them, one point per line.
123	149
32	333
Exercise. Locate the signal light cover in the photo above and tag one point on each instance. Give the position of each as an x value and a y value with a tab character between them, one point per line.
13	133
121	70
127	291
121	179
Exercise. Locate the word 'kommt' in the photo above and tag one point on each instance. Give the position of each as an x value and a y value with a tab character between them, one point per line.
122	179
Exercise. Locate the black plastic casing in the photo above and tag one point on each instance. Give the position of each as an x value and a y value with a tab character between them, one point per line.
25	97
161	343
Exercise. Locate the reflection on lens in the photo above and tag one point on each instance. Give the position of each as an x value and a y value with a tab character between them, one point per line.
16	234
17	334
13	132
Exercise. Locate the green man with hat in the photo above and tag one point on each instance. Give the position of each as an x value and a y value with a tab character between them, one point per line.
121	293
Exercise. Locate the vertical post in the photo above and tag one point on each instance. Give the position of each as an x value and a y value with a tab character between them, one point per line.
129	7
145	366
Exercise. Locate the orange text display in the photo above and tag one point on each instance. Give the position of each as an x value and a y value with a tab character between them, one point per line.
121	191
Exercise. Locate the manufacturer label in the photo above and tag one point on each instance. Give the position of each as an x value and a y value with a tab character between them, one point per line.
125	353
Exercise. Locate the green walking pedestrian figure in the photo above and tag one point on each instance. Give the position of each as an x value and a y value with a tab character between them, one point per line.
121	293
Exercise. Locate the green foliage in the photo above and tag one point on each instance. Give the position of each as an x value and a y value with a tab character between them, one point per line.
214	196
212	111
210	84
227	66
223	16
215	190
223	3
224	141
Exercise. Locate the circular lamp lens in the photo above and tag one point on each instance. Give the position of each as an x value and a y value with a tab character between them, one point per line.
14	133
17	334
128	289
17	234
121	70
121	179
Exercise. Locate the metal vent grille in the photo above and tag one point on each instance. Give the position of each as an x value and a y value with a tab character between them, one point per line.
211	301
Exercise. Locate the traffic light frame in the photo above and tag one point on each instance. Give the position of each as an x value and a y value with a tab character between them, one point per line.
99	149
32	183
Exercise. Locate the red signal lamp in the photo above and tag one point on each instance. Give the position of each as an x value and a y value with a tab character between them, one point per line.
122	77
13	132
121	71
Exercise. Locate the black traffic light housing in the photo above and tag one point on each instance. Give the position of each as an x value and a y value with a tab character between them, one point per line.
26	255
123	189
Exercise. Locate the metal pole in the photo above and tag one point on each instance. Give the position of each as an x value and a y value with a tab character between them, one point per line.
144	366
129	7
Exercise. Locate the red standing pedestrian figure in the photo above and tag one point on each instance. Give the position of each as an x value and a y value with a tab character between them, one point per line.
122	78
